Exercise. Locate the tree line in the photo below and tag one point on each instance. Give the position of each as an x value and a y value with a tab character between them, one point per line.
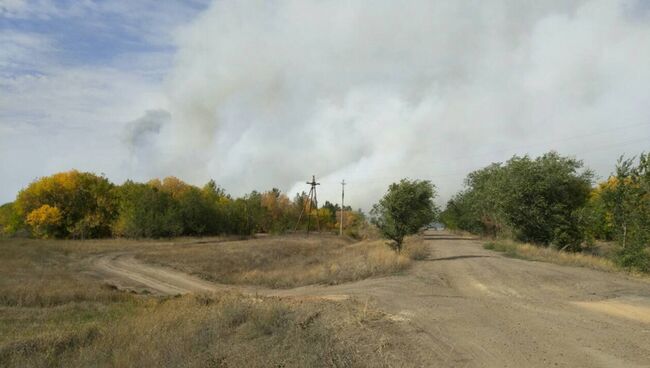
551	201
82	205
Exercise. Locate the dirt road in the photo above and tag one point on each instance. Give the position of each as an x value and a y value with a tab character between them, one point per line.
469	307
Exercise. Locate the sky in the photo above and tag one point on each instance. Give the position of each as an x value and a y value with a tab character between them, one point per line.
263	94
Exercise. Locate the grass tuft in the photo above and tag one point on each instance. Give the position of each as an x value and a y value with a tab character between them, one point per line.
416	249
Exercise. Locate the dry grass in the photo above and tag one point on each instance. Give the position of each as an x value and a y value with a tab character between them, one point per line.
546	254
236	331
221	330
53	312
415	248
284	261
47	304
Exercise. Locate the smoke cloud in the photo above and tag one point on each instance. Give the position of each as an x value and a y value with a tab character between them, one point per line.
265	94
138	132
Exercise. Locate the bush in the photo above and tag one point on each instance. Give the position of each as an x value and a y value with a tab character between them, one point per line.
634	258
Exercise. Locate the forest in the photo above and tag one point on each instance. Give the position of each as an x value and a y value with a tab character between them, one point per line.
80	205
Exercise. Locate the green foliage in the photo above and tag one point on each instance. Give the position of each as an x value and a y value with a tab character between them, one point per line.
634	256
198	214
480	207
459	214
10	221
146	211
544	195
405	209
254	212
539	200
549	200
243	214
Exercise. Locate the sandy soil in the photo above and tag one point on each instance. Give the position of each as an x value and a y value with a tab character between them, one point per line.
469	307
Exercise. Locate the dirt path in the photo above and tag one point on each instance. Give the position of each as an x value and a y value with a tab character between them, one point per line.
469	307
125	272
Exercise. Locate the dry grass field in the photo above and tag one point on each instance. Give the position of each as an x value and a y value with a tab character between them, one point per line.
55	312
287	261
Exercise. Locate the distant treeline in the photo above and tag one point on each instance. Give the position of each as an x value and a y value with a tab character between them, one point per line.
551	200
84	205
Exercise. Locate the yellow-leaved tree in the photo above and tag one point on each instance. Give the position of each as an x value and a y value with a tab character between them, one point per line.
85	202
45	221
278	211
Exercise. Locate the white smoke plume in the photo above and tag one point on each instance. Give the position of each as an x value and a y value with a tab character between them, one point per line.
266	93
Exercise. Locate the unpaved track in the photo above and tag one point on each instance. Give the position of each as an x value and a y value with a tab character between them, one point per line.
125	272
469	307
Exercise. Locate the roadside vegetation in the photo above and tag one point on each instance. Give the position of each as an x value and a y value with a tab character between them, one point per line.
551	202
54	312
549	254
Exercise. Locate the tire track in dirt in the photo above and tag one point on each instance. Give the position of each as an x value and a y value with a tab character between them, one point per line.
124	271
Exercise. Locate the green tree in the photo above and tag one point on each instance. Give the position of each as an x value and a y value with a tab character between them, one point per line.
240	221
199	215
146	211
537	200
543	199
10	221
487	198
404	210
219	200
628	201
459	214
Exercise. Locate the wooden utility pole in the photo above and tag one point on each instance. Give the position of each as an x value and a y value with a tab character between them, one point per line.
342	206
312	200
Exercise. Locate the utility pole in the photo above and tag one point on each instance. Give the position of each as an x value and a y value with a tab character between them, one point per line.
312	200
342	205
